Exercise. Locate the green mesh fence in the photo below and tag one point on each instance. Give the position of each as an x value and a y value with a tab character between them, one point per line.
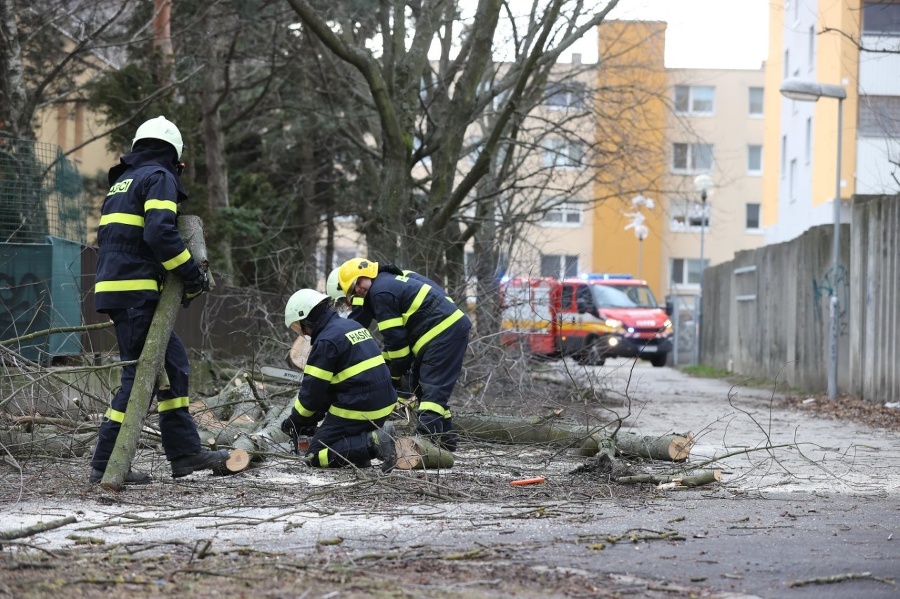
41	194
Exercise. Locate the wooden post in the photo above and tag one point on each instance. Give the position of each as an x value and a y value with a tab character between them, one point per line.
152	359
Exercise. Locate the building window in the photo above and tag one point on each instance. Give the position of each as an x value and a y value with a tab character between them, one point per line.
559	266
572	94
688	216
691	158
811	47
686	271
754	160
752	220
787	64
562	152
756	101
807	142
694	99
783	155
792	181
881	17
879	116
563	215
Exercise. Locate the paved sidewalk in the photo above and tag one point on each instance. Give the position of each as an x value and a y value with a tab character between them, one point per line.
808	453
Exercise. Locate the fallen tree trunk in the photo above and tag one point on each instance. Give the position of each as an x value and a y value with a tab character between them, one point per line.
588	441
695	479
417	453
150	363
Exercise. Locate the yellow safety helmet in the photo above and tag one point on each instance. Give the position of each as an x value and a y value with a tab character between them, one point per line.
352	269
160	128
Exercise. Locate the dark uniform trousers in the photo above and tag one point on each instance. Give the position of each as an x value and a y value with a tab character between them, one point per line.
177	427
341	441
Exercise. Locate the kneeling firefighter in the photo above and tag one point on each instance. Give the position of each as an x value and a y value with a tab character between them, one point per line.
346	385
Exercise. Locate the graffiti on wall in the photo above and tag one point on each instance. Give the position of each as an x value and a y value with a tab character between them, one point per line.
835	283
25	304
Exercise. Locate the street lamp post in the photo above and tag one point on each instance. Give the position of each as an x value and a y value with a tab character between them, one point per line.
702	183
637	225
811	91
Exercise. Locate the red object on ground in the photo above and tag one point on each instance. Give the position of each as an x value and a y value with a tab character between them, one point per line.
527	481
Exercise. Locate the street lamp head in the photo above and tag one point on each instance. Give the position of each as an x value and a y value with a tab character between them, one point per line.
703	183
811	91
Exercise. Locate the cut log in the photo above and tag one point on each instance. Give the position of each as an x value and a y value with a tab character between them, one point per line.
299	352
586	440
417	453
238	460
150	364
671	448
693	479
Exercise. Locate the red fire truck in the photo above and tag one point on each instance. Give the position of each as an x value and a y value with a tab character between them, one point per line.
592	318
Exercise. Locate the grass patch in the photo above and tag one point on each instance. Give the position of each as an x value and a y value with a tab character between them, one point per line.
711	372
705	371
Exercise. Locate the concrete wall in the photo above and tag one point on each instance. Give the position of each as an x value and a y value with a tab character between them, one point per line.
766	313
874	282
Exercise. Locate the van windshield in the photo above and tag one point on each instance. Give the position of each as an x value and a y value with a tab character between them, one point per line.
623	296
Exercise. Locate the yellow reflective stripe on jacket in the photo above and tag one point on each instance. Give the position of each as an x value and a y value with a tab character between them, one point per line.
357	300
396	354
160	205
177	261
361	415
373	362
127	285
390	323
322	455
122	218
301	410
436	330
417	303
115	415
430	406
172	404
319	373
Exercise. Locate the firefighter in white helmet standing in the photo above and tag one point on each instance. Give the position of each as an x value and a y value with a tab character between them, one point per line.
139	243
346	385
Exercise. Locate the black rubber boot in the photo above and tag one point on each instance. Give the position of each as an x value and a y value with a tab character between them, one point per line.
131	478
205	460
382	441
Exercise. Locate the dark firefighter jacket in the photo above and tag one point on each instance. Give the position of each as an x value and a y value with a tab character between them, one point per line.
138	237
345	374
410	310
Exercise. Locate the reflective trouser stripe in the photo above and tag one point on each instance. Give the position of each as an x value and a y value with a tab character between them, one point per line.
115	415
173	404
430	406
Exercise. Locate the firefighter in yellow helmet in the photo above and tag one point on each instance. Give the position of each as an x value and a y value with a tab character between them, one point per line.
346	386
424	333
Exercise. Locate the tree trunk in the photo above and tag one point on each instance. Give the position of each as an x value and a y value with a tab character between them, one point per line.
152	357
587	440
416	453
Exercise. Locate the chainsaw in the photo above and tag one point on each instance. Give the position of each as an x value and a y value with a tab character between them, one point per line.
283	374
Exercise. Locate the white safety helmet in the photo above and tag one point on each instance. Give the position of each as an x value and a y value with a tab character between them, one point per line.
331	286
301	304
160	128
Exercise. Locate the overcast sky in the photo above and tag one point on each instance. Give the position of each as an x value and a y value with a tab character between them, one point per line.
711	34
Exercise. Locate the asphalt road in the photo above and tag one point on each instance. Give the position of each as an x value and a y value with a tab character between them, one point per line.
802	499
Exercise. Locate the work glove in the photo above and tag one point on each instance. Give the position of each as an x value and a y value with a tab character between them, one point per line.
297	424
194	288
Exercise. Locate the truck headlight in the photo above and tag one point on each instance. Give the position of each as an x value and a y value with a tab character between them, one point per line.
613	323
